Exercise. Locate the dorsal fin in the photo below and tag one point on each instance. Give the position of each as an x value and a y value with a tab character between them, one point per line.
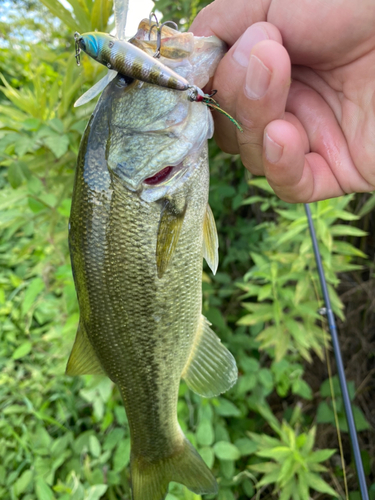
211	369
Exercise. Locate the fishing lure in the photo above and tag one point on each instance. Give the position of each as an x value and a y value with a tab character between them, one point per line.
128	60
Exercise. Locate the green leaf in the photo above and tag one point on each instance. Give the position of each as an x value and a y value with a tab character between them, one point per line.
368	206
100	13
94	446
265	467
62	13
226	451
246	383
270	478
301	388
15	176
360	420
58	144
42	490
31	124
342	230
225	494
96	492
318	484
22	350
303	487
226	408
246	446
262	183
33	290
22	483
57	125
279	454
265	378
113	438
205	433
227	468
23	145
287	490
122	455
208	456
320	456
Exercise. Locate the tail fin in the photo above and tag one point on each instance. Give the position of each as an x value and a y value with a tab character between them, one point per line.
150	480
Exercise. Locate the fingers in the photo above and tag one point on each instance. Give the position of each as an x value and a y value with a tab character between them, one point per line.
294	175
252	82
306	156
228	20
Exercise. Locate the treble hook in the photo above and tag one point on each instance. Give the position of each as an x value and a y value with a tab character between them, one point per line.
153	15
158	32
77	36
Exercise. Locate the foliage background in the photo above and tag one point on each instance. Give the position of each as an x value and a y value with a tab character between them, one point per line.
273	435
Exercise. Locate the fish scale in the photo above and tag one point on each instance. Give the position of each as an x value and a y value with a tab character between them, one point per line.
136	254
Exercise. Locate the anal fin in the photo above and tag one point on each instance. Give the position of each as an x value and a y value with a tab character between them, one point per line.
210	241
211	369
82	359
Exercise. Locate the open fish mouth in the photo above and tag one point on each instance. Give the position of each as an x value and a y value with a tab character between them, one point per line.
160	177
168	179
164	175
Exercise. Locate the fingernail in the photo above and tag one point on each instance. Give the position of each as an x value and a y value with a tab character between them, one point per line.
273	150
244	45
257	78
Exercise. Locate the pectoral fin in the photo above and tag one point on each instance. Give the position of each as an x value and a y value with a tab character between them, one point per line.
82	359
211	368
168	234
210	241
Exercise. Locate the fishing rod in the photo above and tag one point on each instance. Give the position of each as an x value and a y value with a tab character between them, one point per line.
340	366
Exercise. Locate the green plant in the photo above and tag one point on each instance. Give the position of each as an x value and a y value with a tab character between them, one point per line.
294	467
326	411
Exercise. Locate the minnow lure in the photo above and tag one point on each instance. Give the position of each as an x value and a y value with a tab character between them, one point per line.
129	60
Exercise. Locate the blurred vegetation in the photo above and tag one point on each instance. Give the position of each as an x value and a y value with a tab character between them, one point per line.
273	434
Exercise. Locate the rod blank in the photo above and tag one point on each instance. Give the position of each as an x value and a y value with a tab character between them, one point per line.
339	363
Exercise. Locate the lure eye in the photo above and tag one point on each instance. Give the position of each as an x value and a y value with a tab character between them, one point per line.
82	44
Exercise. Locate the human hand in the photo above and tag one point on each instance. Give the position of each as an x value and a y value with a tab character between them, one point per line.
312	136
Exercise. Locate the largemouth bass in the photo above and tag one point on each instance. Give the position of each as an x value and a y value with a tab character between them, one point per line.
139	227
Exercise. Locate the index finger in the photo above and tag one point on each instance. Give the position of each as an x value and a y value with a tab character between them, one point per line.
229	19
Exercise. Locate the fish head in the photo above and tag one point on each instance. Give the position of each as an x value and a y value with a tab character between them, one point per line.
157	137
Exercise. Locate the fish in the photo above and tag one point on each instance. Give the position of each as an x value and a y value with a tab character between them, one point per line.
139	228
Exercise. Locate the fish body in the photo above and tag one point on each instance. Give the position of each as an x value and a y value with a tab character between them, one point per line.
139	227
